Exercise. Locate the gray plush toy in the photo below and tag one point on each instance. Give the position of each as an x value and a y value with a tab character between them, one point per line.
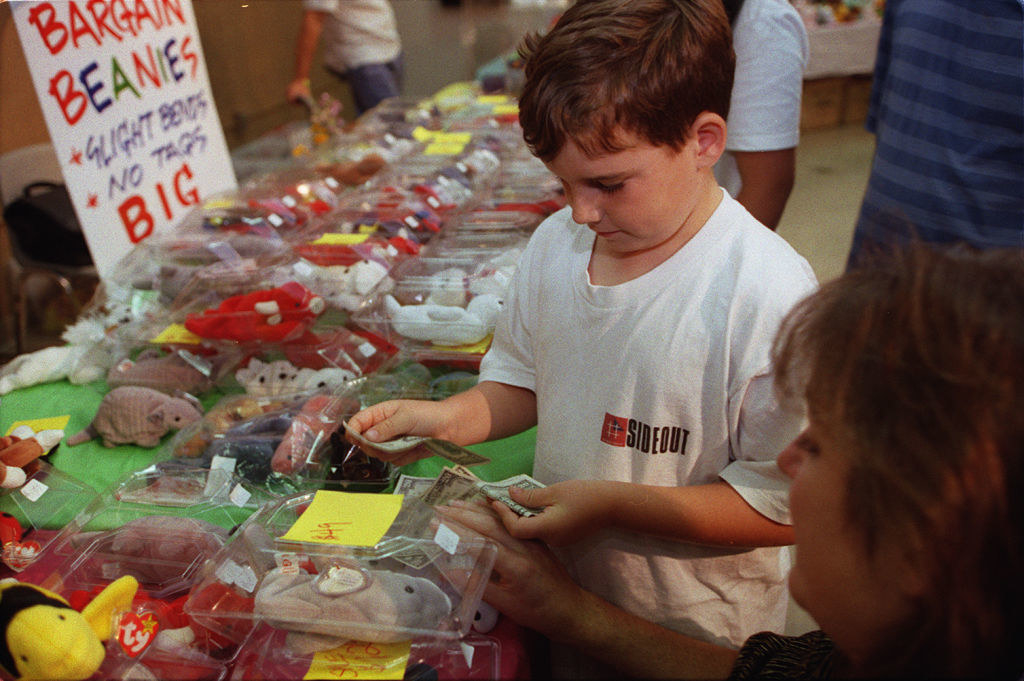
137	415
323	611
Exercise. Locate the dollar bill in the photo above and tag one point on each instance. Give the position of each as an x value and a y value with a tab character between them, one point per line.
417	555
499	491
449	486
411	485
454	453
459	469
401	444
443	448
460	483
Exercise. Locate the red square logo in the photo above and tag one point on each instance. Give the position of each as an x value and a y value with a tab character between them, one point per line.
613	432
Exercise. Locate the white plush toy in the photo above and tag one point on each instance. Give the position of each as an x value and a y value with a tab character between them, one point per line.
41	366
448	287
445	324
86	358
328	378
343	285
280	377
261	379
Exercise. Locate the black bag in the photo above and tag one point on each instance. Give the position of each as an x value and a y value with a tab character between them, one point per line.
44	227
732	9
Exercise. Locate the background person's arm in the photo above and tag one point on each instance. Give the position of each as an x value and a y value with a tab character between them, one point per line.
767	178
305	47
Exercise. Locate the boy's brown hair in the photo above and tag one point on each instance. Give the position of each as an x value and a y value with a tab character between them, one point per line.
648	67
914	365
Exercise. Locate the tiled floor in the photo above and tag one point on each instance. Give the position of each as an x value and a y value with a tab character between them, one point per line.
831	173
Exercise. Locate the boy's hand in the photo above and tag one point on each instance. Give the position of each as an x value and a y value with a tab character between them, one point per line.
392	419
572	511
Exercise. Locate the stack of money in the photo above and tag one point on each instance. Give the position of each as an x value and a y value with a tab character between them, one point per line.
459	483
455	483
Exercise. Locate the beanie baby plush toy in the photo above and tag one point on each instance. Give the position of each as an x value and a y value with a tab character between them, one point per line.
278	314
45	638
349	603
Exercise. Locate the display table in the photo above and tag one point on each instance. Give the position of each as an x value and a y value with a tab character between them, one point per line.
840	46
842	49
100	467
88	498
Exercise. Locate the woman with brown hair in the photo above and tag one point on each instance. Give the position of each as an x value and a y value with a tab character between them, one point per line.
913	374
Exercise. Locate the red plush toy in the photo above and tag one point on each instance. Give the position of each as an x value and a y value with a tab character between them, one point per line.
220	633
320	416
273	315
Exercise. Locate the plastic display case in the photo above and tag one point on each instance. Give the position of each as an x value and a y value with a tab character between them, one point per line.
423	580
192	369
343	267
412	380
386	211
445	301
267	657
36	515
494	221
281	443
165	264
158	526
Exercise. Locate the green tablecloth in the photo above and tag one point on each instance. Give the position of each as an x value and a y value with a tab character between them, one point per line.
100	467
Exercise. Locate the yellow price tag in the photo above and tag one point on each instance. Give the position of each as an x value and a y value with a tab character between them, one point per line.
37	425
504	109
493	99
361	660
473	348
346	518
444	149
421	134
176	333
340	239
216	202
461	90
454	137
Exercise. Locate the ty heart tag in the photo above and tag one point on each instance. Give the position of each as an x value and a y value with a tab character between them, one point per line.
135	633
19	555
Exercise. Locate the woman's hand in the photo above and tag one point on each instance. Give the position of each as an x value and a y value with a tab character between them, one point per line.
527	583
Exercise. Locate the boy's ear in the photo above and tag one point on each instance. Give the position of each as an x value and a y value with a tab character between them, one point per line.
709	130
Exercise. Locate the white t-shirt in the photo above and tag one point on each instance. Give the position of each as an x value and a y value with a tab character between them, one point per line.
770	41
357	32
661	380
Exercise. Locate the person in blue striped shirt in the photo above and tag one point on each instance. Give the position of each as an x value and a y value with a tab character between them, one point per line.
947	109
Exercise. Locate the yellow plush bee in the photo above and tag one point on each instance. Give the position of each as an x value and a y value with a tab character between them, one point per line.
45	638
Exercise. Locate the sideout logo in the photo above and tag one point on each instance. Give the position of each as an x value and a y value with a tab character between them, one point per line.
620	431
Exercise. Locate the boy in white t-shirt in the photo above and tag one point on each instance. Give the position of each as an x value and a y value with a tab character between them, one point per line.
636	334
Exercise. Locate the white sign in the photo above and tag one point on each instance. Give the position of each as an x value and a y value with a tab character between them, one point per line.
127	100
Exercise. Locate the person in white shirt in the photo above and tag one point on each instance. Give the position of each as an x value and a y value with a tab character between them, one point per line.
758	167
361	46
